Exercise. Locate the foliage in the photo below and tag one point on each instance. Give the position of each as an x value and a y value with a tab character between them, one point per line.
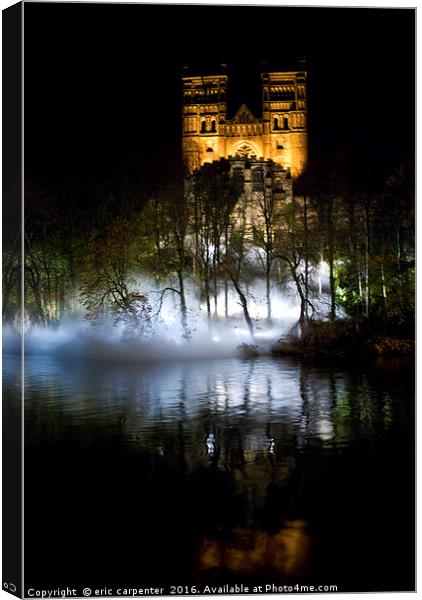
109	285
88	249
391	346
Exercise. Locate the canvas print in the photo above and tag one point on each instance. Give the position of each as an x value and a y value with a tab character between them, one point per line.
208	300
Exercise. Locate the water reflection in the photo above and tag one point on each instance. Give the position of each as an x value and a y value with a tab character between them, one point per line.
251	552
211	444
268	402
228	469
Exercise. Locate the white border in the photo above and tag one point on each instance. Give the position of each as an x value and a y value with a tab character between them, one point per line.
298	3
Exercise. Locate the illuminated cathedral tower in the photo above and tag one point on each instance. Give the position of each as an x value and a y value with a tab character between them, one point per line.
279	135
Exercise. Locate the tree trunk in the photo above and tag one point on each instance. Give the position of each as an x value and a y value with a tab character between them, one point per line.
226	287
268	287
331	250
214	283
183	307
367	288
207	279
207	294
332	288
244	304
367	255
303	301
305	227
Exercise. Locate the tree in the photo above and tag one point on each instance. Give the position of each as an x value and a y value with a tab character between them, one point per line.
236	259
11	273
49	251
269	197
109	276
213	194
292	246
172	216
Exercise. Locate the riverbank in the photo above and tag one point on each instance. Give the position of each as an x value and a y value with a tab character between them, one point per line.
348	339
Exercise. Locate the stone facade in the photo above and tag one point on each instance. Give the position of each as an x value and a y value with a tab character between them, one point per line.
260	180
280	135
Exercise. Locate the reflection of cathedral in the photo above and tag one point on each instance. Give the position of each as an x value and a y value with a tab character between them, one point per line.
280	134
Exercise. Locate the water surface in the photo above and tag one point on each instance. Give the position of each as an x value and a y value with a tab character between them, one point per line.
214	472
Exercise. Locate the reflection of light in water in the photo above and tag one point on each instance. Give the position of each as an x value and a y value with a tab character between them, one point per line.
210	444
221	391
271	446
245	551
290	399
325	430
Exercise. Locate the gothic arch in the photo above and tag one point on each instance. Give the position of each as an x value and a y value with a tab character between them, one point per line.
245	149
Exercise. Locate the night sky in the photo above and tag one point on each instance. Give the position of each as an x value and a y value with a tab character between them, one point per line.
103	90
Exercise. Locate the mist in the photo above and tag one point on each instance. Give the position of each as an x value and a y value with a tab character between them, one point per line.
111	340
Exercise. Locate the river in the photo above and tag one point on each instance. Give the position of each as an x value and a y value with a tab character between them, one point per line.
227	471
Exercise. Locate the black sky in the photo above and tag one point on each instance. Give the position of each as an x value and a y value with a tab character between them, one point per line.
102	82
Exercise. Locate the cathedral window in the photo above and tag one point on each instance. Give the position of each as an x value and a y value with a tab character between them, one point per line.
285	123
203	126
276	125
213	126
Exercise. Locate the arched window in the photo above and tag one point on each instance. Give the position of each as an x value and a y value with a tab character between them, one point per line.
285	123
203	126
276	126
213	126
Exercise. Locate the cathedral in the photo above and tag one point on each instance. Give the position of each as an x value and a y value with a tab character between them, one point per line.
278	135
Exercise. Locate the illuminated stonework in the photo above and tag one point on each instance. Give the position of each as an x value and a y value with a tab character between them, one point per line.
280	135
